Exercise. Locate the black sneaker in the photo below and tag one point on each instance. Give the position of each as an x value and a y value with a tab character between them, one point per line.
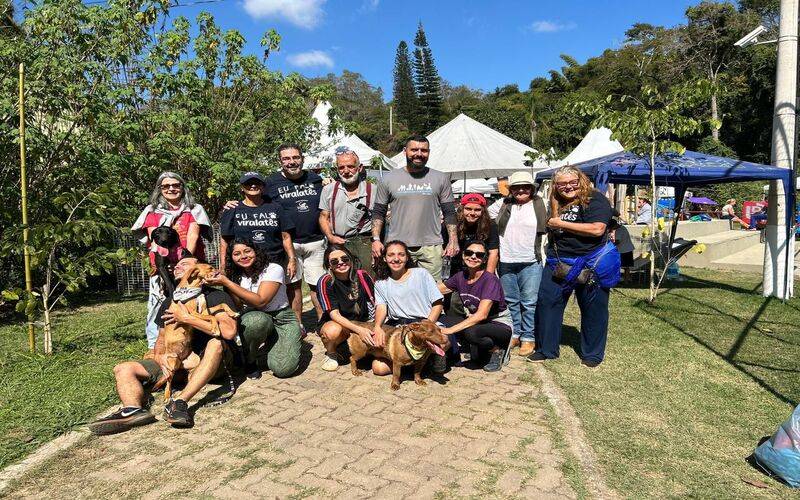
537	357
253	371
176	412
590	364
121	420
438	364
495	362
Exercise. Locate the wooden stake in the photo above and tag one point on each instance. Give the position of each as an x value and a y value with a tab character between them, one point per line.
24	192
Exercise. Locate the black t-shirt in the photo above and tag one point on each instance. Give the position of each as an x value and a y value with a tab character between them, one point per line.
492	242
335	294
574	245
214	297
262	224
300	201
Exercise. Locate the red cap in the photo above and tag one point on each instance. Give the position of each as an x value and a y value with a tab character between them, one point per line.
473	198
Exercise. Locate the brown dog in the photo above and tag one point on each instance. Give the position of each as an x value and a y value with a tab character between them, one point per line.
405	345
177	341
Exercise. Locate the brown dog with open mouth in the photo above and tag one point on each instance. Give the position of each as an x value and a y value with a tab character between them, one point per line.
405	345
177	344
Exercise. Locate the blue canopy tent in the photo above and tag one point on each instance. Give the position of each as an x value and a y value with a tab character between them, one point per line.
681	172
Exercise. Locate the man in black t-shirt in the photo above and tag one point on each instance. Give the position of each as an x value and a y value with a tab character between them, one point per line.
208	360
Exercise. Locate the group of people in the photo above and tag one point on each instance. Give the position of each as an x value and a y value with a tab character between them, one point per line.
372	255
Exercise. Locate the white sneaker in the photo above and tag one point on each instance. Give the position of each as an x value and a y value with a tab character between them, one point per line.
330	364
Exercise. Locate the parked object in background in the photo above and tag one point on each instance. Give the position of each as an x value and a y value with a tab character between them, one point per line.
780	454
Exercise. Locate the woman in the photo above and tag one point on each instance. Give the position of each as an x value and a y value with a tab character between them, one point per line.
521	220
729	212
268	325
404	293
580	257
171	205
346	294
474	224
487	325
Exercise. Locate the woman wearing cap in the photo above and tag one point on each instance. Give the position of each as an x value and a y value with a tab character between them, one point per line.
474	224
171	205
261	221
580	258
521	220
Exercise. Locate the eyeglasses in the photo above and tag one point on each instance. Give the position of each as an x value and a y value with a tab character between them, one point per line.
470	253
334	262
562	185
167	187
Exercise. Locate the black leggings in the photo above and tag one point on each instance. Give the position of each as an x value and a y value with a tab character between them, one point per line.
485	336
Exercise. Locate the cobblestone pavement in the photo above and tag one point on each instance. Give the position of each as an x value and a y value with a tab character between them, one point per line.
322	434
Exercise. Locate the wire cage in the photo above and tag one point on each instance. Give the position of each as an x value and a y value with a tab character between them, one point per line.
134	277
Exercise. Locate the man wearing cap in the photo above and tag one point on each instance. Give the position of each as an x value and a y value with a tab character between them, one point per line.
345	207
419	196
521	221
259	220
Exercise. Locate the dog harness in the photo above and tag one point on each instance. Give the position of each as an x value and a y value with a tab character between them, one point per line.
186	293
415	353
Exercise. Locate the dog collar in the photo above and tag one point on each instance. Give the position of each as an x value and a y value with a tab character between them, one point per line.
186	293
415	353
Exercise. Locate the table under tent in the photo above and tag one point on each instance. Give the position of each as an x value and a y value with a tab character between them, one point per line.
682	172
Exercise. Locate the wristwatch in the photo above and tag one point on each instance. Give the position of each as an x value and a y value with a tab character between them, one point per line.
376	238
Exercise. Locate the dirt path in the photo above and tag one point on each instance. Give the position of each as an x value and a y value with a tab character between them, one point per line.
325	434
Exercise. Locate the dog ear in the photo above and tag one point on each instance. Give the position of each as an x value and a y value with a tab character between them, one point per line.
193	273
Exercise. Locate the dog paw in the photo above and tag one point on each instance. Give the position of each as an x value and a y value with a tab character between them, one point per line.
420	382
395	386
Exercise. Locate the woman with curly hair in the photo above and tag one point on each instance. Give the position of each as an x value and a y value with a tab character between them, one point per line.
268	327
580	258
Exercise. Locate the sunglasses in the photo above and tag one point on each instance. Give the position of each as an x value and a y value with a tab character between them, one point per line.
561	185
166	187
470	253
334	262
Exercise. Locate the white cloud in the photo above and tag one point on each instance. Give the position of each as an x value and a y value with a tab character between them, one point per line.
310	59
544	26
303	13
370	4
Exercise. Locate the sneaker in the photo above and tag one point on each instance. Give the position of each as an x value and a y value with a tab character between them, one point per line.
121	420
537	357
439	364
495	362
527	348
176	412
590	364
514	342
330	363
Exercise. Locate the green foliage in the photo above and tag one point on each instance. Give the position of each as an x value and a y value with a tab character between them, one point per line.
404	94
428	85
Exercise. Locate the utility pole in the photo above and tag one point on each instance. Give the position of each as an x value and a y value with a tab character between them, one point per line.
779	251
23	180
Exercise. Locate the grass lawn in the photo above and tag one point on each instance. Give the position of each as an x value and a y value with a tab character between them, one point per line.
44	396
689	386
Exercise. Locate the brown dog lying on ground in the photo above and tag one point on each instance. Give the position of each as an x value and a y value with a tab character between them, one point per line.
177	341
405	345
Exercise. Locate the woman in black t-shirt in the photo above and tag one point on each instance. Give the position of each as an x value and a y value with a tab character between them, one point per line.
578	225
346	294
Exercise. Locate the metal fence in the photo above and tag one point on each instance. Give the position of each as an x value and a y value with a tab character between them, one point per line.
134	277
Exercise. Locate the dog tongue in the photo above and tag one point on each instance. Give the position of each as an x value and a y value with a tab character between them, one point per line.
162	251
438	350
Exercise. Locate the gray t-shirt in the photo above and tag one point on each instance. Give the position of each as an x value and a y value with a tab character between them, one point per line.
415	202
409	299
349	213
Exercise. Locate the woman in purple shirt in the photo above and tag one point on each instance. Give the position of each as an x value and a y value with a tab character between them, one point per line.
487	325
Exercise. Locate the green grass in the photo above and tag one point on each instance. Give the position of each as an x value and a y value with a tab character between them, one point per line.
689	386
41	396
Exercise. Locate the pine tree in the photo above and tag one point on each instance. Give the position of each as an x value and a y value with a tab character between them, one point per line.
405	95
428	83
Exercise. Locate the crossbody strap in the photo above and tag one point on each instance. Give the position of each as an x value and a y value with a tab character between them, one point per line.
336	186
360	273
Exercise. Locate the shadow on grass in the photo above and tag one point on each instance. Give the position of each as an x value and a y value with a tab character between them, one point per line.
571	337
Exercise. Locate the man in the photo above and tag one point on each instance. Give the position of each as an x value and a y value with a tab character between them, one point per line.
418	196
298	192
209	358
346	208
644	212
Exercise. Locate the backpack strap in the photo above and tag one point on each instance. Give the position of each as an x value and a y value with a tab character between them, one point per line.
363	280
336	186
365	218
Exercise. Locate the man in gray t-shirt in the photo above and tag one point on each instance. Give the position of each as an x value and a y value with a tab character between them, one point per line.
418	197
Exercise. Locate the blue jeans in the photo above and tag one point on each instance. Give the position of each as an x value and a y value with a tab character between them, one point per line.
521	287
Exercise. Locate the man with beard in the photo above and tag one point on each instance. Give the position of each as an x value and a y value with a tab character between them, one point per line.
346	208
418	197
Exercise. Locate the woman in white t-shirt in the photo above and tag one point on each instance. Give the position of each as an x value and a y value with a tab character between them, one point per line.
268	326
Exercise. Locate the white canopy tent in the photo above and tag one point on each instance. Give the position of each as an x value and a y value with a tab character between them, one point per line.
483	186
469	149
596	144
323	153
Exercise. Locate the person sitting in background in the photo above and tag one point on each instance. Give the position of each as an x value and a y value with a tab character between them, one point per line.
757	218
729	213
487	323
346	294
269	328
644	212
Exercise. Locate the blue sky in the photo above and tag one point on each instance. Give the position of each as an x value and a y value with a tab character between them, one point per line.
483	44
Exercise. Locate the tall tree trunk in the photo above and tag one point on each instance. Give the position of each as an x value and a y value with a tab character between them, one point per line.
714	117
653	224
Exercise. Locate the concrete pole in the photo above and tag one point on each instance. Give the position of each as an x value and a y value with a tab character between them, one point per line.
779	253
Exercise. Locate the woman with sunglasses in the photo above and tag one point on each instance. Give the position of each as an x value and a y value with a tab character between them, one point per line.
487	324
171	205
580	258
346	294
268	327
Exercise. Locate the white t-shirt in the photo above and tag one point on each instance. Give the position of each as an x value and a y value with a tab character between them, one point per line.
272	272
409	299
518	244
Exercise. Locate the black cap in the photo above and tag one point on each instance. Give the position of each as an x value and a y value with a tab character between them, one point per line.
252	175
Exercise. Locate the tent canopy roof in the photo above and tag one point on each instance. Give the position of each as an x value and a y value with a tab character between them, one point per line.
596	144
466	146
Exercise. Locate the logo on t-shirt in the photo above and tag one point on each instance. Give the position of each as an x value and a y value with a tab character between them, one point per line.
302	206
572	214
259	219
259	236
423	188
297	191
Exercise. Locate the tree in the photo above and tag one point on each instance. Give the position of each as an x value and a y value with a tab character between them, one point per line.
428	84
404	94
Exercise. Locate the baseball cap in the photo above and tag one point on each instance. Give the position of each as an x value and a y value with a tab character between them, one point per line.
520	178
473	198
252	175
